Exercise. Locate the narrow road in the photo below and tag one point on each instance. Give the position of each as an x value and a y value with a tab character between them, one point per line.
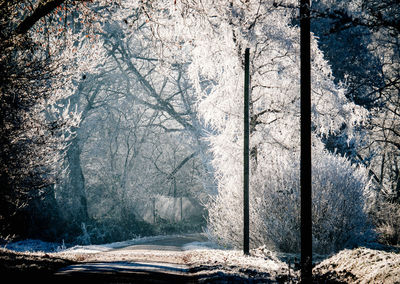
136	271
170	243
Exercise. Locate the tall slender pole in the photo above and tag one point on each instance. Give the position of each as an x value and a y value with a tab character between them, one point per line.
305	148
246	154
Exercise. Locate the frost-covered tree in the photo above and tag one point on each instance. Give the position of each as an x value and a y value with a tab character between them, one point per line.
139	135
361	41
214	36
37	63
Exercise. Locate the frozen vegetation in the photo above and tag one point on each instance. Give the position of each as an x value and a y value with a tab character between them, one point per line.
122	119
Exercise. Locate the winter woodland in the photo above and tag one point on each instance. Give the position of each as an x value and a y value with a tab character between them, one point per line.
115	113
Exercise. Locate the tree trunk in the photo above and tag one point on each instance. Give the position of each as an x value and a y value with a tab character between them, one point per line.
76	184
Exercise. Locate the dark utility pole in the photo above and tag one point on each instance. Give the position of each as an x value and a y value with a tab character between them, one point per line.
246	154
305	149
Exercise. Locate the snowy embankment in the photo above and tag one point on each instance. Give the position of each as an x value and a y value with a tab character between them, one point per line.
206	259
362	265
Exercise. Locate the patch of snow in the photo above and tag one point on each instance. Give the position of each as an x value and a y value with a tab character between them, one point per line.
234	263
117	245
31	245
139	240
88	249
201	245
362	265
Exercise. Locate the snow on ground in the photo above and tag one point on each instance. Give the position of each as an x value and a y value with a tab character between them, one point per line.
111	246
260	263
362	265
201	257
34	246
204	259
145	240
31	245
204	263
201	245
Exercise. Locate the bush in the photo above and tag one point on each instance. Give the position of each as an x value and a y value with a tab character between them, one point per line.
112	230
115	230
338	204
386	217
185	226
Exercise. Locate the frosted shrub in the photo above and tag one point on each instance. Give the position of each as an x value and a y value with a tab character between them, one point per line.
338	216
386	217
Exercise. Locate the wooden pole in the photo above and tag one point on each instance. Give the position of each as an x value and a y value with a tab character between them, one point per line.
305	148
181	210
246	162
154	210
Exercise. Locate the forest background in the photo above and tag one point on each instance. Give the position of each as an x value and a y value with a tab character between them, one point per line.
112	109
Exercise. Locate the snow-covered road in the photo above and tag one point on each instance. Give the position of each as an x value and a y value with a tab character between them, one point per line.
163	271
188	258
167	259
126	272
170	243
193	259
